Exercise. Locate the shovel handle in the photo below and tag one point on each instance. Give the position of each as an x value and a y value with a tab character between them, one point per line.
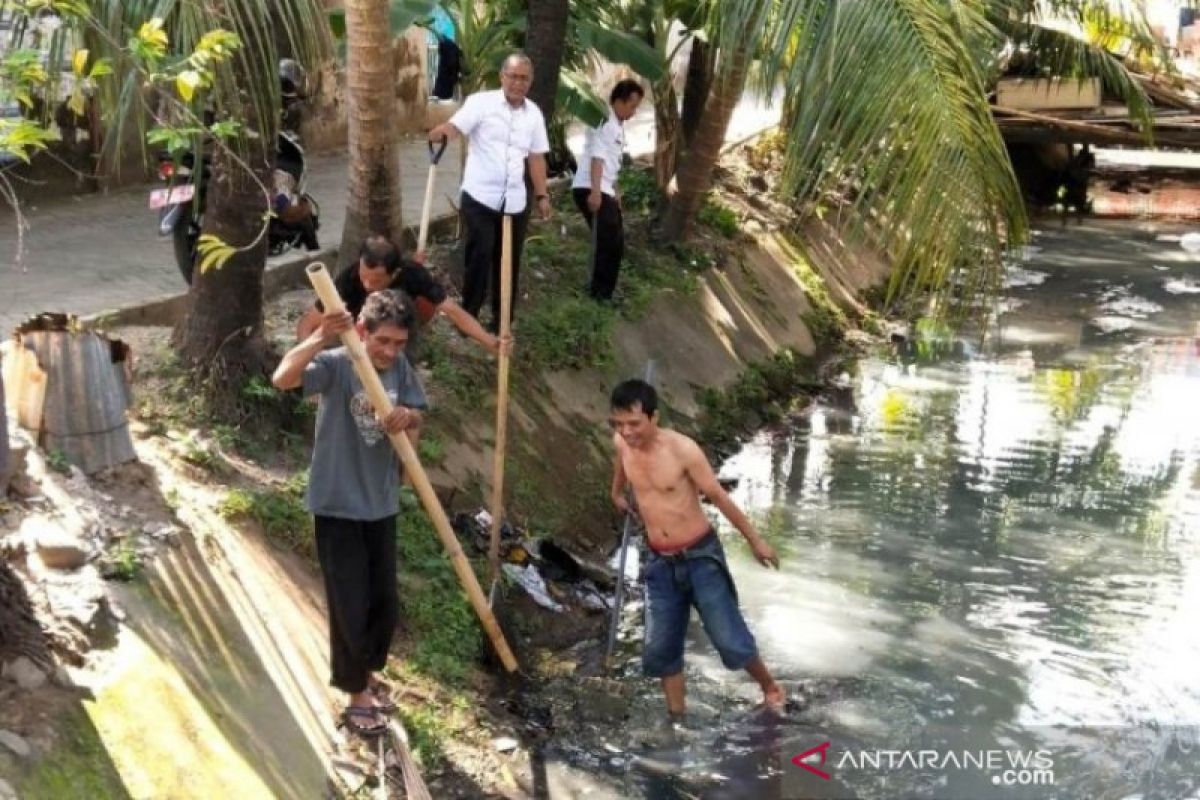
435	155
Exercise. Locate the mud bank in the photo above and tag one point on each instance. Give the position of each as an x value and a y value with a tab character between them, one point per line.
766	300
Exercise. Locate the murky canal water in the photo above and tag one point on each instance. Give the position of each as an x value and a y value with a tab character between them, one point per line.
991	581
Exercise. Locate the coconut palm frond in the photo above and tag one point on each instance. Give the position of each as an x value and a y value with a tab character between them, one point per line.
889	116
268	30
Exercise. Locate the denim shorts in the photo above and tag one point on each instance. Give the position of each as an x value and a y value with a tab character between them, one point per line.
696	577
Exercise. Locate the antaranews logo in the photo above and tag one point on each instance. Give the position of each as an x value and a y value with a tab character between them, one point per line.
822	750
1004	767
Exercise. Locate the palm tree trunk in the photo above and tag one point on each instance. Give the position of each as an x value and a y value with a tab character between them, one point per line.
4	476
544	40
693	179
666	132
696	88
221	337
373	196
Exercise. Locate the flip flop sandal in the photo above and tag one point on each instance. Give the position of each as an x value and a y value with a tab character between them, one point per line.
363	712
383	696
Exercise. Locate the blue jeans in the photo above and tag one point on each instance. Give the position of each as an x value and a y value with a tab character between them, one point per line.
696	577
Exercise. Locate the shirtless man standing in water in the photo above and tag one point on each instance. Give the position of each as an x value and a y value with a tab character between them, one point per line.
668	473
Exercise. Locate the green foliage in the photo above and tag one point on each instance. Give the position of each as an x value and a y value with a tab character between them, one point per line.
432	449
825	319
649	272
620	47
22	75
451	372
639	191
22	138
122	563
280	512
428	731
57	460
199	454
446	637
213	252
175	140
761	395
577	98
258	388
719	217
401	14
572	332
566	329
934	338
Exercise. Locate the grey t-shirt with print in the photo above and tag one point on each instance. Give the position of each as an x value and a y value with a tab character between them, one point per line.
355	471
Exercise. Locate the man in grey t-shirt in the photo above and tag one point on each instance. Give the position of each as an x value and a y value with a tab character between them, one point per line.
354	491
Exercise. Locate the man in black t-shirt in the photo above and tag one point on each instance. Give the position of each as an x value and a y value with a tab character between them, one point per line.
380	267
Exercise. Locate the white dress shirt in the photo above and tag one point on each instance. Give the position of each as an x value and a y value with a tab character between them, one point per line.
500	138
607	143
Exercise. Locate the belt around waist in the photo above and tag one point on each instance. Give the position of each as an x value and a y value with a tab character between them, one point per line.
678	553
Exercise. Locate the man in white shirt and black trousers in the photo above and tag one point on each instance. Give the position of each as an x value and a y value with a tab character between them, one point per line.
504	131
595	187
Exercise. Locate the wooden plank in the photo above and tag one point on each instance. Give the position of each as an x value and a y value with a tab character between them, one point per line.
1048	93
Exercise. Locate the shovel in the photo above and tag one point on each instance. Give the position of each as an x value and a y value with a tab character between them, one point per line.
619	597
434	157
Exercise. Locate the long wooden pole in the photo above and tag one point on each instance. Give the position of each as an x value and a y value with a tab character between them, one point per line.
325	289
501	406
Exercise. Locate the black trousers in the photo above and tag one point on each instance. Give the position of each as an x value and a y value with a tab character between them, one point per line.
610	242
358	560
485	232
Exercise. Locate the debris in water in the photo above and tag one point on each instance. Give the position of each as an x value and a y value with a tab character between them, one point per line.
1190	242
1016	277
633	562
1181	286
592	598
531	581
1113	324
505	744
1118	302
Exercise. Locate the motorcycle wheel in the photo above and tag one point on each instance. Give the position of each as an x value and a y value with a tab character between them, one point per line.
184	238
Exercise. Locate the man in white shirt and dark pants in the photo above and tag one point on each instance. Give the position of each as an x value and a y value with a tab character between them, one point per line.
595	188
504	131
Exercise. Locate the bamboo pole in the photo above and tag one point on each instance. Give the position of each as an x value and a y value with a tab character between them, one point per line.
328	294
501	407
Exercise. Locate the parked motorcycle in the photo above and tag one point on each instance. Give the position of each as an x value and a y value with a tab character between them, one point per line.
296	215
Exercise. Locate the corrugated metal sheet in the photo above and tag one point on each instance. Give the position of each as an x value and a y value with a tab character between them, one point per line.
86	398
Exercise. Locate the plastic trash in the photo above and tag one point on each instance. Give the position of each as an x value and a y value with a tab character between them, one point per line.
633	562
1190	242
531	581
592	598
